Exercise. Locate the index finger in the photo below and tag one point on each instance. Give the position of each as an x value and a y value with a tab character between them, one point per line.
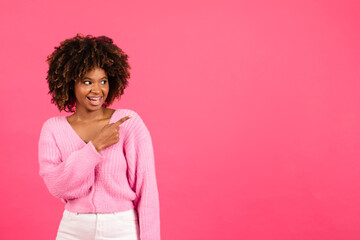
119	122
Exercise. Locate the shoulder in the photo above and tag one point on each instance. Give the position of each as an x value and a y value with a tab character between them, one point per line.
135	116
52	122
135	126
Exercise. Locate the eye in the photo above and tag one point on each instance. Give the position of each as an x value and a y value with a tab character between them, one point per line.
86	82
104	81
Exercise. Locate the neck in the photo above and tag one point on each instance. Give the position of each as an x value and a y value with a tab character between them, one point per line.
84	115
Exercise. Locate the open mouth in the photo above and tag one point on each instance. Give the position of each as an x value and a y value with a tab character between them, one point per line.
94	100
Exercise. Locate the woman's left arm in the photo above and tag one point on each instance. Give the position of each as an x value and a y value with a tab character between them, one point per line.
144	181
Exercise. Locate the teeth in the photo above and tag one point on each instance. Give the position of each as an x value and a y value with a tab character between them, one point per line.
94	99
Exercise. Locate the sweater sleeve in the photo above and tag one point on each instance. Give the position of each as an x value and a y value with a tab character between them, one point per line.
66	178
145	186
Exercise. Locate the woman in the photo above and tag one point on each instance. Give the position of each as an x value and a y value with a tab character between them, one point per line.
98	161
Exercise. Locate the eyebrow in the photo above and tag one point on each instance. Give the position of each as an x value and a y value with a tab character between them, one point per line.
92	79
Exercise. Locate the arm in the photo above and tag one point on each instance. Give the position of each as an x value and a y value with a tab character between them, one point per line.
66	178
145	185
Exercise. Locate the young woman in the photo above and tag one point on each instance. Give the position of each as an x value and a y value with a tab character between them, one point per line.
98	161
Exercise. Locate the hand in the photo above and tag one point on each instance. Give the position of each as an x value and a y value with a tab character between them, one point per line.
108	135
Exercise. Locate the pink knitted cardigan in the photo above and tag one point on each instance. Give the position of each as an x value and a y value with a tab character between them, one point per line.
120	177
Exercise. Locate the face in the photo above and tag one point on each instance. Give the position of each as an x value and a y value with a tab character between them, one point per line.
92	90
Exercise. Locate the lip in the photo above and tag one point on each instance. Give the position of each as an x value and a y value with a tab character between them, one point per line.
94	96
95	104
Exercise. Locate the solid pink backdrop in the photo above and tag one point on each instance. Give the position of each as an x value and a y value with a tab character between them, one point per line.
253	107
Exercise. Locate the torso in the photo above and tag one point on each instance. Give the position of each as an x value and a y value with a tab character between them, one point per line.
87	131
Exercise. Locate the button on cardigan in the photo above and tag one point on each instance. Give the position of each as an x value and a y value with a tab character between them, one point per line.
118	178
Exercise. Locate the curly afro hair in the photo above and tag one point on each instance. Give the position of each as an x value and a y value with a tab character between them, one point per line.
75	57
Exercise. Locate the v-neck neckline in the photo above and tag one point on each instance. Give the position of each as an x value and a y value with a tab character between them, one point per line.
77	135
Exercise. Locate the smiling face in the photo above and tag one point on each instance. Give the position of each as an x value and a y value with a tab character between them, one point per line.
92	90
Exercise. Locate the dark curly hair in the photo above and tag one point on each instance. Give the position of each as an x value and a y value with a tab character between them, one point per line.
75	57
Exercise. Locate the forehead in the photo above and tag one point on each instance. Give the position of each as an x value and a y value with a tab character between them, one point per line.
96	72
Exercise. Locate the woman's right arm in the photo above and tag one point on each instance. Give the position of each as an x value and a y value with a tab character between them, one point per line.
66	178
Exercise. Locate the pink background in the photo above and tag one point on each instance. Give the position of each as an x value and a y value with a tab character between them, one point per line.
253	107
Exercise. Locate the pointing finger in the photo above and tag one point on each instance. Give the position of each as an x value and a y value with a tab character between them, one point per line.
122	120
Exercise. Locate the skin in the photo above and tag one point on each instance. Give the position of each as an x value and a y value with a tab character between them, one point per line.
91	122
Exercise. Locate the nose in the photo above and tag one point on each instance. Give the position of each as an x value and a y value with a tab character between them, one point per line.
95	88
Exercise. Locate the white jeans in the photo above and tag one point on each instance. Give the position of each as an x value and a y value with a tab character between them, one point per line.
99	226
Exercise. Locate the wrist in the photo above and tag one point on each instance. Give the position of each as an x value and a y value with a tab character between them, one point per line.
97	146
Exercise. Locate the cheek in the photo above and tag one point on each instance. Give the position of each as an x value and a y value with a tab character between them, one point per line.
106	89
80	92
83	91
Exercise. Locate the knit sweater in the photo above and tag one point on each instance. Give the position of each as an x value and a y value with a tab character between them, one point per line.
118	178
